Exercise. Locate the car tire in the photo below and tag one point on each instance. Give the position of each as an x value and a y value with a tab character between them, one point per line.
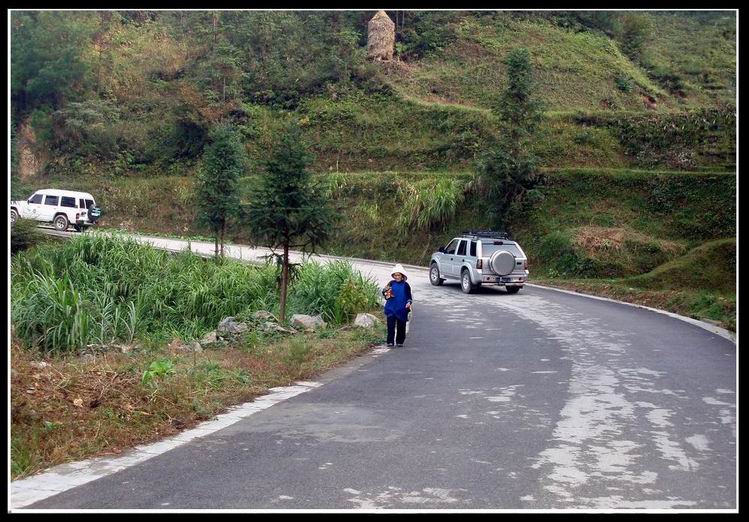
61	223
434	275
513	289
465	282
13	216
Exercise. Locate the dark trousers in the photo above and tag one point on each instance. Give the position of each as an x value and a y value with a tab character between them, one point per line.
401	335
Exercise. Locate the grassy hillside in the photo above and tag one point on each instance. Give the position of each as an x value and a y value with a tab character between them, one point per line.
137	92
688	61
637	141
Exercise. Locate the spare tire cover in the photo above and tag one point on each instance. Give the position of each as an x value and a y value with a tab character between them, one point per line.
502	262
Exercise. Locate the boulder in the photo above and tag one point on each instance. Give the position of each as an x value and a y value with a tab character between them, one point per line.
366	320
230	327
308	322
210	337
269	327
262	315
38	365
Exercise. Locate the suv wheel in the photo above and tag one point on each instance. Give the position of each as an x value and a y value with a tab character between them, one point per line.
13	216
61	223
465	282
434	275
513	289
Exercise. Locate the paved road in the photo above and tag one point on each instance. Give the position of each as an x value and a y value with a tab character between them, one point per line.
539	400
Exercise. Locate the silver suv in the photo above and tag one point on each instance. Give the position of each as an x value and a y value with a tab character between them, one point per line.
480	258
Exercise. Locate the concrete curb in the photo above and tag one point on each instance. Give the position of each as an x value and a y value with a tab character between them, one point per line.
68	476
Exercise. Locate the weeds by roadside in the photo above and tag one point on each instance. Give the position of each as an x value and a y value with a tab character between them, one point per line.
71	408
96	289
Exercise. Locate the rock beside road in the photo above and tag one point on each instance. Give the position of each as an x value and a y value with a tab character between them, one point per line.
366	321
308	322
230	328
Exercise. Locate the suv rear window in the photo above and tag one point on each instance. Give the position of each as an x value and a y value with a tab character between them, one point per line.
89	203
67	201
51	200
489	247
473	249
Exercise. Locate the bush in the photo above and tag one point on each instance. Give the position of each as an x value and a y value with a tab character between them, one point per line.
561	259
426	205
624	82
97	290
335	291
24	235
634	32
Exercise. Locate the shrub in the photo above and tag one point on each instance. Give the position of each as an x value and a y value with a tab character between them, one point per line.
560	257
23	235
98	290
624	82
335	291
634	32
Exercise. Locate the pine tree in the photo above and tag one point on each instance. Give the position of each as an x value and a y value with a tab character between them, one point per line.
507	168
224	162
287	211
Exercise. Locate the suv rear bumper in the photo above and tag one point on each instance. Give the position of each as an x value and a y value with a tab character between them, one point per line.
500	280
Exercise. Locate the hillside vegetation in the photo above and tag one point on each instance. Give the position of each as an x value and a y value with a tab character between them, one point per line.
637	144
134	93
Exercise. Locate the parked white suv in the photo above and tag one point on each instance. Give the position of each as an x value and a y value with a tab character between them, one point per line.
59	207
478	258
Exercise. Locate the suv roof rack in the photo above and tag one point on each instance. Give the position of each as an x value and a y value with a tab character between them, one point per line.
486	233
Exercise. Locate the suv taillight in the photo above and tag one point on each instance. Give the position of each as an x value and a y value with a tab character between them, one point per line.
525	264
479	263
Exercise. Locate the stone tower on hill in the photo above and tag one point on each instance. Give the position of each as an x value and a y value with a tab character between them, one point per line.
381	37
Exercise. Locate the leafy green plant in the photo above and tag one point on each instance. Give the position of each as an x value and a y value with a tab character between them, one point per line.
624	82
157	369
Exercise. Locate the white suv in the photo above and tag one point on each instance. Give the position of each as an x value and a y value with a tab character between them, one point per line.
60	207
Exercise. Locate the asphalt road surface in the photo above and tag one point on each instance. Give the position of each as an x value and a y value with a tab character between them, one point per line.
540	400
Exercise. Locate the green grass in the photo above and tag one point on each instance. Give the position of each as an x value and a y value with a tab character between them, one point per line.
571	70
710	266
96	289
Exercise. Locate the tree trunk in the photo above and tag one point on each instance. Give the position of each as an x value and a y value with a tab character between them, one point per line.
223	229
215	251
284	279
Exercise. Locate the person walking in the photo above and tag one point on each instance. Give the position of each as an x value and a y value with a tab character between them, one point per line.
398	300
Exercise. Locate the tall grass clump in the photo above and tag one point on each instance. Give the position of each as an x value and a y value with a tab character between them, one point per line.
99	290
335	291
427	205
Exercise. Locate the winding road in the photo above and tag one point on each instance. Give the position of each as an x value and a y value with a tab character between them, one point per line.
540	400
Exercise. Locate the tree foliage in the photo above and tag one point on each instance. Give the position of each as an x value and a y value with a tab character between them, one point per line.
287	210
49	60
634	32
224	162
507	169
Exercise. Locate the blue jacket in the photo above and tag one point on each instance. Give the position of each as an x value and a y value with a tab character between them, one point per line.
396	305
